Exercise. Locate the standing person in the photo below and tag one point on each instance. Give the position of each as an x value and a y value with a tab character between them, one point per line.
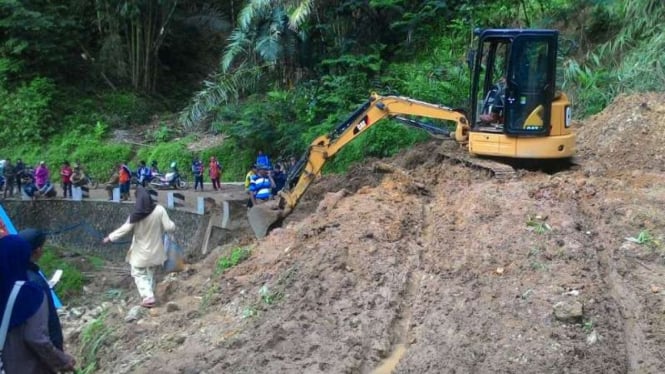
66	175
280	179
262	159
260	189
148	221
113	182
215	171
43	180
19	169
248	181
37	238
197	170
28	349
144	174
10	176
124	177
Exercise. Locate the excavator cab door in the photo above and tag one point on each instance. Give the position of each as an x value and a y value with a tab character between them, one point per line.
522	62
530	84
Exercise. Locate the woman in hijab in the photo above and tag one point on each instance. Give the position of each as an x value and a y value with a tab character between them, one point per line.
28	348
148	221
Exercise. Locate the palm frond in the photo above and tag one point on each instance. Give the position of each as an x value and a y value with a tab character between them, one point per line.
300	14
221	89
239	42
251	12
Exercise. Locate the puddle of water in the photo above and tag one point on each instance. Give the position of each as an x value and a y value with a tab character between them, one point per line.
389	364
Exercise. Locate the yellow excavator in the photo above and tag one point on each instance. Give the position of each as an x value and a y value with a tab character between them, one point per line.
516	114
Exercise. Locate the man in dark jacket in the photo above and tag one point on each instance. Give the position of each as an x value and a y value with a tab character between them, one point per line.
36	238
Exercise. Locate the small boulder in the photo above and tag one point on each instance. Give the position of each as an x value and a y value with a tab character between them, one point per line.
172	307
569	311
134	314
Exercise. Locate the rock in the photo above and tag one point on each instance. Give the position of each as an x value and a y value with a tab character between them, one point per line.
180	339
76	312
95	313
172	307
655	289
565	311
499	271
592	338
154	312
134	314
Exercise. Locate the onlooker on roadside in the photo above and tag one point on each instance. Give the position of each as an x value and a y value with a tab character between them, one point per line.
124	178
28	347
10	176
43	181
154	170
197	170
279	177
215	171
19	169
66	175
248	181
263	159
37	238
260	189
113	182
144	174
149	222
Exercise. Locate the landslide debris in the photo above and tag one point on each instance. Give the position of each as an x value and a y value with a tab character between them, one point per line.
426	266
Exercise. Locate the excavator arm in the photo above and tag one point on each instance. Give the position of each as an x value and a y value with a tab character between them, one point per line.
309	167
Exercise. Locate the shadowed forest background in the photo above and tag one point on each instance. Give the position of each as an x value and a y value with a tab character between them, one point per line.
77	76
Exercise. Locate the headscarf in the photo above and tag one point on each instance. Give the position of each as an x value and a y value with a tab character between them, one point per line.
35	237
143	207
15	255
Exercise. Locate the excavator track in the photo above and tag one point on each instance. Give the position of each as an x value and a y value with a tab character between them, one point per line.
498	170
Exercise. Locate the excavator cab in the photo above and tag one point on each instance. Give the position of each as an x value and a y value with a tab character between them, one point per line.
530	119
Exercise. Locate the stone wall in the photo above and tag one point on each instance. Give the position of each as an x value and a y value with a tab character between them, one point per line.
81	226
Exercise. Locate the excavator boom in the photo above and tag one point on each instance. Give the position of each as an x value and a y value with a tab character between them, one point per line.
308	168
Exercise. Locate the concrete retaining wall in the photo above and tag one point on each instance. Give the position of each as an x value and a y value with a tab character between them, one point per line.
82	225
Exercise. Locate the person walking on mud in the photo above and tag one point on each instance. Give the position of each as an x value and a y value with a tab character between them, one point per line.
149	221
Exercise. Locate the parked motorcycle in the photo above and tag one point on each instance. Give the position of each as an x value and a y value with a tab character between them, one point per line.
170	180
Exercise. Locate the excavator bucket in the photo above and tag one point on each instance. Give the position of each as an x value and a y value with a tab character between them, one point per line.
263	216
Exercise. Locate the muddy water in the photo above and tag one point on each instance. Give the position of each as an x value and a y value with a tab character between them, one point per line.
389	364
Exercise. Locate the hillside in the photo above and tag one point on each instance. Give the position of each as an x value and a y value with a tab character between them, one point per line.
469	274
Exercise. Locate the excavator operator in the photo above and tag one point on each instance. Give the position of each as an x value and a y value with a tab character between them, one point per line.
493	104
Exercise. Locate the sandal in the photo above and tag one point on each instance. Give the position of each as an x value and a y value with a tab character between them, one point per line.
148	302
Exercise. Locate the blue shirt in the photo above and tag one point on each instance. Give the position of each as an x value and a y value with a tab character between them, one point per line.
261	187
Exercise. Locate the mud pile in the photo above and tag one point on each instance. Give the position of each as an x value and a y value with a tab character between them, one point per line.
431	267
628	134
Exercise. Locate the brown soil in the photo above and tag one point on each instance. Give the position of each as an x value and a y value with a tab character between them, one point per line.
459	276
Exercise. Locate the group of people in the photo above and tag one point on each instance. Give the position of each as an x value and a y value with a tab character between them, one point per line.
264	180
214	172
36	182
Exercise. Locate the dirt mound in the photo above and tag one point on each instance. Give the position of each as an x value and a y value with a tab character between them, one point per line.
629	134
426	266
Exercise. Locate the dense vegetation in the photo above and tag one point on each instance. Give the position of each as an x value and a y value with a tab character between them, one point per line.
272	75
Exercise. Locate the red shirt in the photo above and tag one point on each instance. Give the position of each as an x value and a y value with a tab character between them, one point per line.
66	174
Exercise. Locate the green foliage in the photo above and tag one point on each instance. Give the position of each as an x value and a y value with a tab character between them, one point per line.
25	113
94	336
538	225
237	256
383	140
646	239
162	134
72	280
